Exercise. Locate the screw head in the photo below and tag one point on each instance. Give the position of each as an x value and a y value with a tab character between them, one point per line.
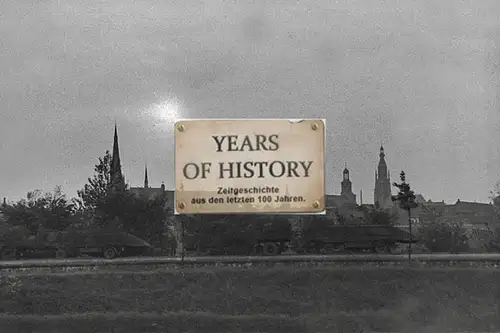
316	204
182	205
314	126
181	128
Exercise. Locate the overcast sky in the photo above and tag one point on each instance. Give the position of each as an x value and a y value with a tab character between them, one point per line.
422	77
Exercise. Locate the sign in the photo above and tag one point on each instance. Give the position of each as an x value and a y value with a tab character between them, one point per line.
249	166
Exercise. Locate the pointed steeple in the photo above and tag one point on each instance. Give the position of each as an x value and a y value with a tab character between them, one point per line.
146	185
382	154
382	192
382	165
117	180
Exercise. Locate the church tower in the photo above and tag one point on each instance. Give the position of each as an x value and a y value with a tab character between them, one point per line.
346	187
117	179
382	193
146	183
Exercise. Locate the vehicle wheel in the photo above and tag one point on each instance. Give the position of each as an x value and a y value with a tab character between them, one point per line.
270	249
110	253
61	253
6	255
379	248
257	250
338	248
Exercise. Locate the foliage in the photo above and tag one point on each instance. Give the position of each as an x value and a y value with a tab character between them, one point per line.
40	210
110	207
405	196
98	205
440	235
94	193
378	216
145	217
495	198
340	218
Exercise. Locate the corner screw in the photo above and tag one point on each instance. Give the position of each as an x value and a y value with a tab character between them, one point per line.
314	126
182	205
181	128
316	204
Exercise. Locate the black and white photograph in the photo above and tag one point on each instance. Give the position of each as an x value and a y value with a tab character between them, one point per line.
250	166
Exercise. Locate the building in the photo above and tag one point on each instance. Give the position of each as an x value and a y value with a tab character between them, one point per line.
345	203
382	192
470	214
148	191
117	179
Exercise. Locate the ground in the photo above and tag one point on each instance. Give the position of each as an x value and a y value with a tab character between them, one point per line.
285	299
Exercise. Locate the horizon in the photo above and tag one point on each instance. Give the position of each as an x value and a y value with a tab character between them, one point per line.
423	77
172	188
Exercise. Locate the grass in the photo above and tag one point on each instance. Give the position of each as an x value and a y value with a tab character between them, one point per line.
282	299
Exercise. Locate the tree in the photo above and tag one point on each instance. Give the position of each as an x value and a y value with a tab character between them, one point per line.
406	199
94	193
40	210
101	205
378	216
145	217
495	198
440	235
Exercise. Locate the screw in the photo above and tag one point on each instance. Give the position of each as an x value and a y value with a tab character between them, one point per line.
314	126
181	128
182	205
316	204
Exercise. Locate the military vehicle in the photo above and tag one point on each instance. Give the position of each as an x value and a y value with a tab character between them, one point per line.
353	238
273	237
67	244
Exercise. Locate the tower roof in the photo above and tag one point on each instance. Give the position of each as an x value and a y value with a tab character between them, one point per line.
345	168
382	157
116	168
382	154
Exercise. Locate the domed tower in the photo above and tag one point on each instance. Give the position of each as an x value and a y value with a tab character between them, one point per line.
382	193
346	186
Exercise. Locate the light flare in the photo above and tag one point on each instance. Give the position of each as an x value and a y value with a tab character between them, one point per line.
167	110
164	113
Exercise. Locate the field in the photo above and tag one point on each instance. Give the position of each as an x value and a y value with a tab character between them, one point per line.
277	300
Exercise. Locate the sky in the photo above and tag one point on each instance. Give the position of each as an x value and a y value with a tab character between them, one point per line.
422	77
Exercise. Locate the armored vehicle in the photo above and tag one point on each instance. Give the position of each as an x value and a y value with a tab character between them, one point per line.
353	238
53	243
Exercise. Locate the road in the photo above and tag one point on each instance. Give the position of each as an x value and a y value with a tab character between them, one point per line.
246	259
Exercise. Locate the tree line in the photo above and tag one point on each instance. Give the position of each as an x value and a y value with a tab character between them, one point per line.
97	206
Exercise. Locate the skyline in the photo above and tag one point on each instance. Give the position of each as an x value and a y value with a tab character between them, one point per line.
370	193
421	76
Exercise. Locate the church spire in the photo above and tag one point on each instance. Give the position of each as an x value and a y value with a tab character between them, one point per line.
346	186
146	185
117	180
382	192
382	165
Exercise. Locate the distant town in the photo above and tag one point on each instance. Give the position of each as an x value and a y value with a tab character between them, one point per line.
346	203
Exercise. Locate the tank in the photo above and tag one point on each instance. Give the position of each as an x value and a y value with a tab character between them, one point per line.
321	237
53	243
